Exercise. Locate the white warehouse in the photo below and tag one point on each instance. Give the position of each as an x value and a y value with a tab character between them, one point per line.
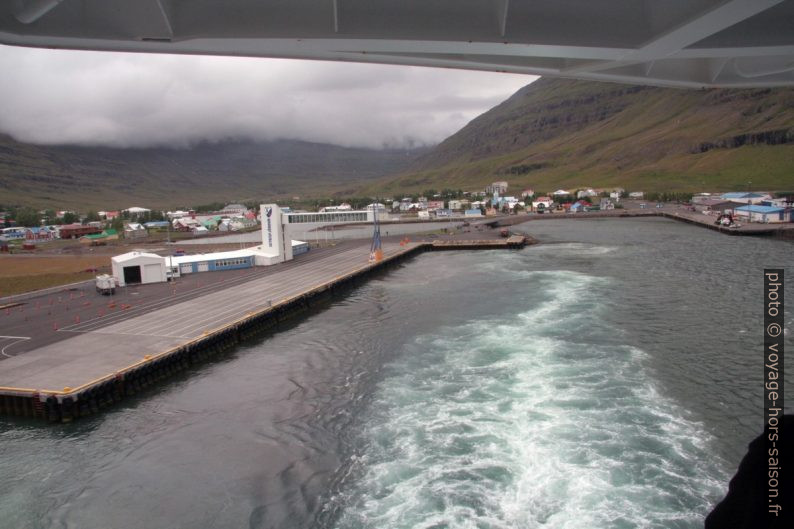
277	246
138	267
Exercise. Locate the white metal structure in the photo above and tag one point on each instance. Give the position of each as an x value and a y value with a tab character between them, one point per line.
687	43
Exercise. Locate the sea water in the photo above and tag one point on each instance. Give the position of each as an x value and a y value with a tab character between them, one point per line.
609	377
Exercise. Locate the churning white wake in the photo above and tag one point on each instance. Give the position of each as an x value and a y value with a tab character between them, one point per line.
536	419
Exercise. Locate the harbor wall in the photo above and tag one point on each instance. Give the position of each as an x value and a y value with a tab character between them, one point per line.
90	398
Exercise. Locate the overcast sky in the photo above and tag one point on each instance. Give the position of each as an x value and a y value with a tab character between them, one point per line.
138	100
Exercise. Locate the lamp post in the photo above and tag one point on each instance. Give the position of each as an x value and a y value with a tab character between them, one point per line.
749	209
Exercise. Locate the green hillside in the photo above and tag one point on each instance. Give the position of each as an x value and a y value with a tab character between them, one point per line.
553	133
559	133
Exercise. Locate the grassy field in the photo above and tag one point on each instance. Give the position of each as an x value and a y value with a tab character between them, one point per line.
63	262
23	273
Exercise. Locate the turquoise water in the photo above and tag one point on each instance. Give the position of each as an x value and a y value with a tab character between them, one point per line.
608	378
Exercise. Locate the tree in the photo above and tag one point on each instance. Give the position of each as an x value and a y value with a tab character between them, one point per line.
117	224
212	206
27	217
50	217
69	217
92	216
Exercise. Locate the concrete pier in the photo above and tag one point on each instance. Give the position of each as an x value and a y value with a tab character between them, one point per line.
61	373
779	230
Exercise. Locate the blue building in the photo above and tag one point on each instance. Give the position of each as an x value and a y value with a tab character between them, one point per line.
744	198
211	262
765	214
299	247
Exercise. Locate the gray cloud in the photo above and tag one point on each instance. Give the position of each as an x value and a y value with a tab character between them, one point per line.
139	100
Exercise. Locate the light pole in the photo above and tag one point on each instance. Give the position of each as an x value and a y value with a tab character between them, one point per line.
749	209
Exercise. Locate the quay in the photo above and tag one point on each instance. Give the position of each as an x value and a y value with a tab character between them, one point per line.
117	348
781	230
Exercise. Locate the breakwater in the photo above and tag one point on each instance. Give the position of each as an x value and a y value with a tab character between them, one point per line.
779	230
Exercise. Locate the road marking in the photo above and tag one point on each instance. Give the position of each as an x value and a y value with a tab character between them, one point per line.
16	339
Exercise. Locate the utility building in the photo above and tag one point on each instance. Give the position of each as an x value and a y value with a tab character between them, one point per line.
188	264
277	246
138	268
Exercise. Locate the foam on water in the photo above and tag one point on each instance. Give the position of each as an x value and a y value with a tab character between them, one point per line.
575	248
538	419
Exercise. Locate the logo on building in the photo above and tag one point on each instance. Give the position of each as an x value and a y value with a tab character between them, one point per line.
268	214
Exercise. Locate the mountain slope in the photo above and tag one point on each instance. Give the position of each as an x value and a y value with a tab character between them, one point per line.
108	178
562	133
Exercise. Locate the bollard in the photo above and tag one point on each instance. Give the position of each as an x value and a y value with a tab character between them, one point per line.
55	326
77	318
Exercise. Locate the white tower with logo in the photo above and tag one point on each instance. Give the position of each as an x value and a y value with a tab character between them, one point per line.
276	245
